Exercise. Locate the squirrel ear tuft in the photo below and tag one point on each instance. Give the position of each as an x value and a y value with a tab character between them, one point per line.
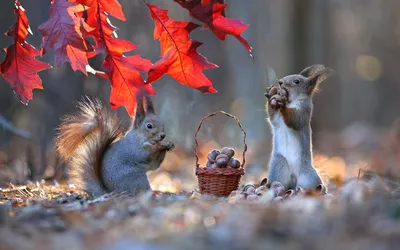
149	107
316	74
140	114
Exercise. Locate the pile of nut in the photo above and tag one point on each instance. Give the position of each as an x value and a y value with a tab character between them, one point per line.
222	159
265	192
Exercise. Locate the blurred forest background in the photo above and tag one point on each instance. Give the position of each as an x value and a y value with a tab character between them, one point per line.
355	122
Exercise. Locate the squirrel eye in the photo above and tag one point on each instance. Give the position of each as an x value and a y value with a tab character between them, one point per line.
296	81
149	126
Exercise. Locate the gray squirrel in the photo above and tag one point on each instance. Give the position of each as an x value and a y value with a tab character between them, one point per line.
102	157
290	109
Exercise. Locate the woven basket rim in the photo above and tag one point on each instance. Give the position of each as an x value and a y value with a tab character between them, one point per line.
196	143
219	171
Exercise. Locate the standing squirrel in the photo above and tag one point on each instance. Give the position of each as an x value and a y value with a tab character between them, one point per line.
290	108
102	157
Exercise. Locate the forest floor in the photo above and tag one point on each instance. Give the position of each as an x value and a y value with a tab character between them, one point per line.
364	213
361	211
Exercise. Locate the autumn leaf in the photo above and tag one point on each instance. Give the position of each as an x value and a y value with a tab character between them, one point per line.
127	85
180	58
207	2
63	32
112	7
20	67
212	17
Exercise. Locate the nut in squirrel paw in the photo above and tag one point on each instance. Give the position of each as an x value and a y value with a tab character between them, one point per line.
277	98
222	159
271	91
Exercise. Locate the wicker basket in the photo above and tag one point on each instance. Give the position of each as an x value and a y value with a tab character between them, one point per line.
219	182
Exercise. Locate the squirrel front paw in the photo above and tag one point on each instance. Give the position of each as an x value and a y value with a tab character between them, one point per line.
271	91
277	101
277	98
168	145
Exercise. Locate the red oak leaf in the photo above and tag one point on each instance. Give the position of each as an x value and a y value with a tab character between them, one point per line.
126	82
127	85
112	7
63	32
20	67
207	2
212	17
180	58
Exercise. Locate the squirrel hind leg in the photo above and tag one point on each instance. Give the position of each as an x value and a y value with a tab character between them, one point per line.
311	180
280	171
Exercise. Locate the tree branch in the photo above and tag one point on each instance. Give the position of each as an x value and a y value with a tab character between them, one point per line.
10	127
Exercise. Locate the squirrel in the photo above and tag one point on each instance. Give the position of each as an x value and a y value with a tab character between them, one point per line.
290	109
104	158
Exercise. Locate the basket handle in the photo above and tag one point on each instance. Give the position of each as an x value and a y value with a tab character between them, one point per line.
229	115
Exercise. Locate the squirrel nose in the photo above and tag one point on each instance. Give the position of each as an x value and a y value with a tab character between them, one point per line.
280	82
162	136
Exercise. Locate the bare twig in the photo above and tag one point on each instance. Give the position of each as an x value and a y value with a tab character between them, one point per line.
10	127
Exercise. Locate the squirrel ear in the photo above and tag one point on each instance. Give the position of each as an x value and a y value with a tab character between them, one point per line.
140	114
149	107
316	74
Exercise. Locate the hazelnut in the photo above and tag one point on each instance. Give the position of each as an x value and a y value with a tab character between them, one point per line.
249	189
264	182
321	189
261	190
275	104
234	163
213	155
272	90
289	193
230	152
300	190
252	197
220	156
222	162
283	92
243	196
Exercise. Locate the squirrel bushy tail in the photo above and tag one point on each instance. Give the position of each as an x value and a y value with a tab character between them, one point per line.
83	139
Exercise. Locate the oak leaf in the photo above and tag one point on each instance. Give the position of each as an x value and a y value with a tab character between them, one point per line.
63	32
111	7
180	58
20	67
127	85
211	14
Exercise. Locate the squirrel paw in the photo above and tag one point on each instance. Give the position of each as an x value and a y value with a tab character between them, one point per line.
271	91
277	101
168	145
